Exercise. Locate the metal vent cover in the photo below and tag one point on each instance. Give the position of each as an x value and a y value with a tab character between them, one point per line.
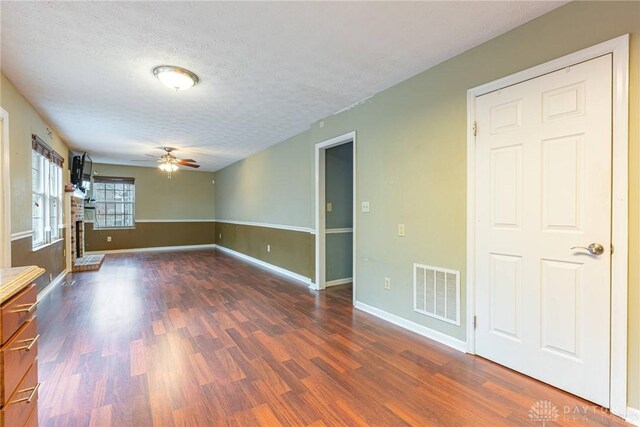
436	293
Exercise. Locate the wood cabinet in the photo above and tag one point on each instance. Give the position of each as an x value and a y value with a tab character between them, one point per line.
19	384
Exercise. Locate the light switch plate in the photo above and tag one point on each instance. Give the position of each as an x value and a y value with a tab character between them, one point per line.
365	206
329	207
401	230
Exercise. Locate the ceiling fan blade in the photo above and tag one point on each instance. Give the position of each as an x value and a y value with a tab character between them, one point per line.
151	155
187	160
189	165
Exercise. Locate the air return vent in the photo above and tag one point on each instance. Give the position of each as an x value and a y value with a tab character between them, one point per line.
436	293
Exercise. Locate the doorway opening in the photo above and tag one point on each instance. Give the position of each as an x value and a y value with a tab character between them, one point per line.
335	216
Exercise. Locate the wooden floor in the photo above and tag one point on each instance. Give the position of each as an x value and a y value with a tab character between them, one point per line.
200	338
342	291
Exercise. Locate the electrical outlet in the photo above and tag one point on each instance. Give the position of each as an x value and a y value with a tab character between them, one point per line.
365	206
401	230
108	238
387	283
50	277
268	248
329	207
220	236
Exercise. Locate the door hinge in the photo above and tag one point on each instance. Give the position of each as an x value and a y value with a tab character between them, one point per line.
612	249
475	128
475	322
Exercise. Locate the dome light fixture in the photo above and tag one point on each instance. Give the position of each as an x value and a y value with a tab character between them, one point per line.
175	77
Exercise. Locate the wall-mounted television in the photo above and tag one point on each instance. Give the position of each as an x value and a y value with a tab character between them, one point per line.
81	169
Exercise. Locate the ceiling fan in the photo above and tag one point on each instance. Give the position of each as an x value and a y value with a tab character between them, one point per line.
170	163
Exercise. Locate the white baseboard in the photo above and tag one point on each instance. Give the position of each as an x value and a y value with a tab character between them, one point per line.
633	416
338	282
55	282
291	274
413	327
152	249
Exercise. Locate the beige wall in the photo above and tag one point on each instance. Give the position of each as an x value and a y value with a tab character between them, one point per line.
24	121
186	195
412	150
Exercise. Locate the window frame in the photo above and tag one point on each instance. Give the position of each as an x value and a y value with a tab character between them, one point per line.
47	189
119	206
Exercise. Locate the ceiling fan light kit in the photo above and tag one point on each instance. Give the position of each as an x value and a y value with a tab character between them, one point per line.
175	78
170	163
168	167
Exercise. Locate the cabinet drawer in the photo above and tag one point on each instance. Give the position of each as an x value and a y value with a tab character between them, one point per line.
21	403
16	311
17	356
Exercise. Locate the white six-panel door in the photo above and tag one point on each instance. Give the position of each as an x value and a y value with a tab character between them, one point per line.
543	187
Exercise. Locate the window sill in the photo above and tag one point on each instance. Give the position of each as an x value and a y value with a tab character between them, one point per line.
114	228
46	245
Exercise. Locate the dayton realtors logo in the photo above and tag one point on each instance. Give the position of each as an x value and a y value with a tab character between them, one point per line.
543	411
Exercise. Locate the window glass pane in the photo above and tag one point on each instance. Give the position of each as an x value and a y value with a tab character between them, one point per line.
38	201
114	204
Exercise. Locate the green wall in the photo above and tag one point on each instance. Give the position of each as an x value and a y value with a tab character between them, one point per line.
272	187
339	192
411	151
339	186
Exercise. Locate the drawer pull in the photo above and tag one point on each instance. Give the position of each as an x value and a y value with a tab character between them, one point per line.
28	399
28	347
24	308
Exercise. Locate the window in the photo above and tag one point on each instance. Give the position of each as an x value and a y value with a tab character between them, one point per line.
55	200
46	174
37	172
115	202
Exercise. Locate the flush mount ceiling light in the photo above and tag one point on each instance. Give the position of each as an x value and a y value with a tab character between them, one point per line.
175	77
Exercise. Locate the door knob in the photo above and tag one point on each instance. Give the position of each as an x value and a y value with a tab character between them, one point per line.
594	248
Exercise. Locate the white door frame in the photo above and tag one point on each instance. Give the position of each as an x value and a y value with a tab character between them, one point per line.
320	149
5	189
619	47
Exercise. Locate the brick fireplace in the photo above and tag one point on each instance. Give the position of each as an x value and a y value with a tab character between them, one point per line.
77	228
79	260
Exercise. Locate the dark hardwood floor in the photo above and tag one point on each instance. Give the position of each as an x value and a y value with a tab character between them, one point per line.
200	338
341	291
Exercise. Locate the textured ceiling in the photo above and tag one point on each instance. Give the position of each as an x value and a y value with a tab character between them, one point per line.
268	69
